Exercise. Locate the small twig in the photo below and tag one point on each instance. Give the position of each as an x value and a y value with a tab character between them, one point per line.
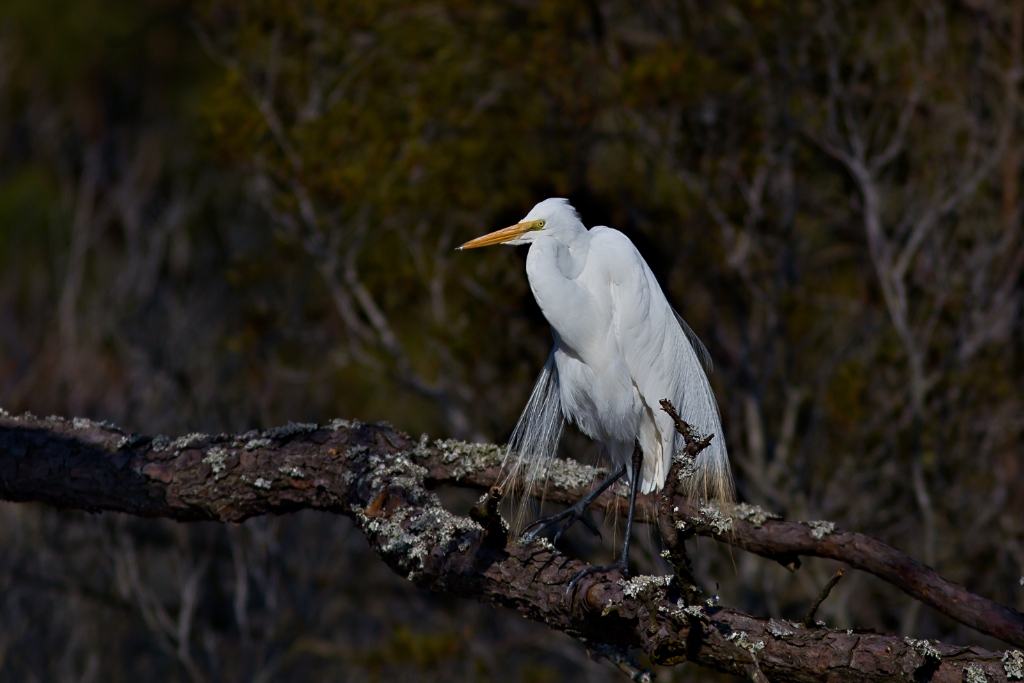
693	444
681	426
809	619
672	537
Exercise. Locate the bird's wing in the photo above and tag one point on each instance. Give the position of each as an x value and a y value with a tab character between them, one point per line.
664	362
640	333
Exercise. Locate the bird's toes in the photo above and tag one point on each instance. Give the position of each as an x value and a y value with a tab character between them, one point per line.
590	525
575	579
596	570
534	528
547	563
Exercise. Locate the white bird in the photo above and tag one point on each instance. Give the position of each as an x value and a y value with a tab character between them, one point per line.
619	348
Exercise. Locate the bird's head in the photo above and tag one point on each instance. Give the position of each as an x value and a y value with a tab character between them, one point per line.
554	217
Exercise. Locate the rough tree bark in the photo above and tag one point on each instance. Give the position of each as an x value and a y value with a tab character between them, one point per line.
382	480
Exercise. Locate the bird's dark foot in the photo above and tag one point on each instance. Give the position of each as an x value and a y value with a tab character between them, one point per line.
566	518
620	566
550	561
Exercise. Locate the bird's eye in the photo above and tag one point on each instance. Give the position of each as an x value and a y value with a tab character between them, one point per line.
540	223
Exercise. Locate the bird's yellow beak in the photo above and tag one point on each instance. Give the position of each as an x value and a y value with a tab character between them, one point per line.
504	235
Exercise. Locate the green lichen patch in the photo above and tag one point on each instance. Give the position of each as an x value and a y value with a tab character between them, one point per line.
453	450
398	471
571	475
407	538
469	458
753	514
410	536
644	587
714	518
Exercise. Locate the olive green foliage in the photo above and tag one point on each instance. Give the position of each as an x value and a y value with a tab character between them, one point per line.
228	215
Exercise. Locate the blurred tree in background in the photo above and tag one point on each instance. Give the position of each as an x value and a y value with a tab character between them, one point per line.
226	215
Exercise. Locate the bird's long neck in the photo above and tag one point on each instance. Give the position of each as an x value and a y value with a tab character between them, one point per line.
569	252
552	267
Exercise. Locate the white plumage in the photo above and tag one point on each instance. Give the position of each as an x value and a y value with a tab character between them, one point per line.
619	349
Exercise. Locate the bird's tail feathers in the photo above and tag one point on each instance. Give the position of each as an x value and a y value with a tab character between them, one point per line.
534	440
696	344
709	478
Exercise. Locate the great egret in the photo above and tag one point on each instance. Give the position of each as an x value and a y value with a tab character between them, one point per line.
619	349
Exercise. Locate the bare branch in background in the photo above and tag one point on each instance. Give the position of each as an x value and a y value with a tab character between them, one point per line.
336	256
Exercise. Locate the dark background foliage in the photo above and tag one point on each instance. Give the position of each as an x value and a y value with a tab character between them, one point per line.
226	215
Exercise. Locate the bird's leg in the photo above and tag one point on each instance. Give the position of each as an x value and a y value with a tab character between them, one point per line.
623	564
574	512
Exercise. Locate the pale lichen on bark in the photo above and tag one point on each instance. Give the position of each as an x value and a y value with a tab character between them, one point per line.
714	519
925	648
820	528
645	587
753	514
974	674
1013	664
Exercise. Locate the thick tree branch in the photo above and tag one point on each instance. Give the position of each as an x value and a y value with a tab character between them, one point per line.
381	479
764	533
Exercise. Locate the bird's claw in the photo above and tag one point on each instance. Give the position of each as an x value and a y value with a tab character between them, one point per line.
539	524
590	525
620	566
570	516
547	563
